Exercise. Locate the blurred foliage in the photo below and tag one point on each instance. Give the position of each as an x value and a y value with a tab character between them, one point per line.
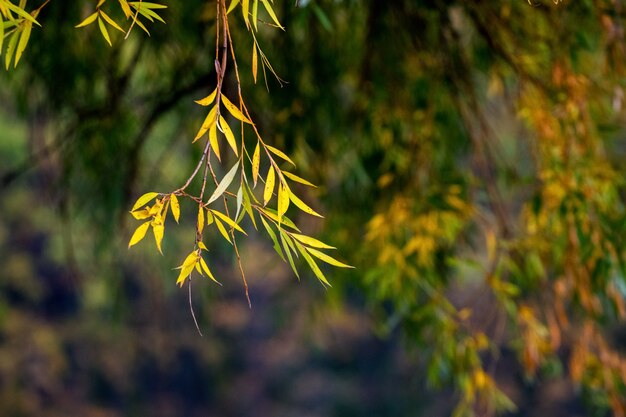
469	155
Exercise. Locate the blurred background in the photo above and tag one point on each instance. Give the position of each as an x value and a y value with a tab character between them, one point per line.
469	159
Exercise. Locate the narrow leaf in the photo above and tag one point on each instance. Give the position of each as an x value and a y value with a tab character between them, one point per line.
254	62
111	21
245	8
329	260
213	139
256	162
316	269
21	12
89	20
202	246
255	9
11	49
283	239
144	199
296	178
187	267
228	178
21	46
158	229
175	206
283	200
208	99
272	235
270	11
222	230
279	153
302	206
206	125
125	8
272	214
228	221
310	241
229	135
239	201
141	214
233	4
139	234
206	269
269	185
200	222
147	5
237	114
105	32
248	206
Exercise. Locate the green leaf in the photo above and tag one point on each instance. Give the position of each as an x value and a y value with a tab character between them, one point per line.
316	270
89	20
105	32
329	260
237	114
229	135
279	153
310	241
296	178
272	235
144	199
228	221
147	5
255	9
139	234
248	206
269	185
286	246
272	214
21	12
11	48
175	206
228	178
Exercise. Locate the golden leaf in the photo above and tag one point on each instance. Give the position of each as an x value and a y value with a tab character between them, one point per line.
139	234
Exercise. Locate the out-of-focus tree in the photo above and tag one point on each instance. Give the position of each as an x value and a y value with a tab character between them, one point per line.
473	149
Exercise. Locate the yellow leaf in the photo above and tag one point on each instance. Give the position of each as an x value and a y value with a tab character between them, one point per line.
158	229
283	200
200	223
273	215
202	246
126	8
233	4
111	21
254	62
269	186
222	230
175	206
206	269
89	20
139	234
296	178
237	114
187	267
228	221
144	199
255	8
100	3
256	162
21	46
206	125
141	214
213	139
322	256
245	6
308	240
279	153
209	218
229	135
302	206
105	32
270	11
208	99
